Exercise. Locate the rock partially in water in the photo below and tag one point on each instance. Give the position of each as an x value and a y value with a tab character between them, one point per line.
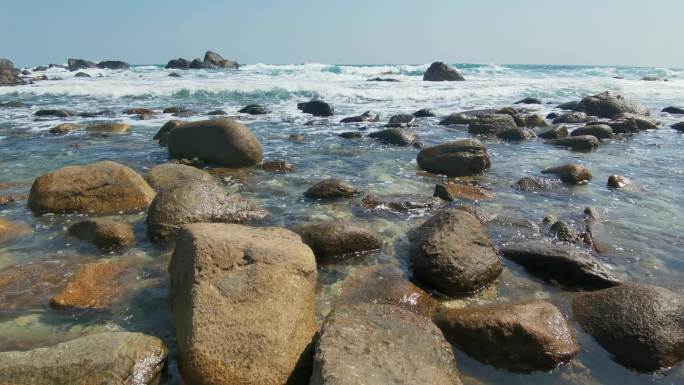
608	105
165	175
401	120
64	128
8	74
533	183
368	116
515	134
619	182
174	75
254	109
452	253
196	202
574	117
678	126
98	188
332	241
331	189
451	191
113	65
162	136
180	63
55	113
104	358
600	131
632	124
641	325
568	105
224	142
554	132
316	108
109	127
465	117
214	60
243	303
95	285
395	136
439	72
673	110
520	337
563	263
278	166
350	135
382	344
401	206
492	124
533	120
459	158
424	113
570	173
81	75
103	233
563	232
529	100
79	64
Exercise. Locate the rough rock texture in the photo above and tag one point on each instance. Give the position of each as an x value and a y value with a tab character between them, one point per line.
600	131
79	64
316	108
331	189
521	337
563	263
580	142
8	75
401	120
98	188
378	344
424	113
254	109
94	286
574	117
452	253
618	182
109	127
395	136
225	142
165	175
465	117
459	158
64	128
214	60
439	72
632	124
451	191
180	63
278	166
641	325
196	202
162	136
103	233
492	124
533	183
242	300
368	116
608	105
55	113
554	132
113	65
105	358
678	126
570	173
515	134
329	240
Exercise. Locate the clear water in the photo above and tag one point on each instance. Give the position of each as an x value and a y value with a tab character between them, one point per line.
644	224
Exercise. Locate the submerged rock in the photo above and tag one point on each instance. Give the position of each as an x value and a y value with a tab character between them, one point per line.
563	263
465	117
64	128
608	105
529	100
316	108
533	183
382	344
600	131
678	126
521	337
515	134
424	113
439	72
618	182
254	109
570	173
104	358
95	285
492	124
278	166
452	253
568	105
331	189
81	75
109	127
79	64
337	239
350	135
459	158
451	191
368	116
242	300
103	233
631	124
401	120
56	113
554	132
641	325
581	142
98	188
395	136
563	232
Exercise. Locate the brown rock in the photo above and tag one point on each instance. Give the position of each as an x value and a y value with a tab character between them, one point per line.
166	175
278	166
64	128
103	233
162	136
331	189
570	173
95	286
329	240
450	191
460	158
618	182
109	127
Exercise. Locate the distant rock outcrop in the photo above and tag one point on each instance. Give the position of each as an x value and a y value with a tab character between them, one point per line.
8	74
211	60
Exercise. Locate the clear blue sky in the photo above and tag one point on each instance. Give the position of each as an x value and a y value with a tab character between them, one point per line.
610	32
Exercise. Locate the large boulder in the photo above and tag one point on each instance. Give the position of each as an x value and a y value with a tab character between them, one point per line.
79	64
600	131
162	136
439	71
103	233
459	158
214	60
243	304
452	253
631	124
165	175
254	109
331	189
491	124
561	262
608	105
180	64
570	173
382	344
224	142
533	183
98	188
196	202
641	325
316	108
515	134
113	65
8	75
401	120
395	136
104	358
334	240
521	337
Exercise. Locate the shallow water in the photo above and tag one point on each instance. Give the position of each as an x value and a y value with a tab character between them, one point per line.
644	224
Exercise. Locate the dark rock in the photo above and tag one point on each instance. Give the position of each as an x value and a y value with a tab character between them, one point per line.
26	72
600	131
673	110
568	105
57	113
608	105
618	182
424	113
368	116
438	72
224	142
350	135
40	68
650	78
515	134
678	126
12	104
81	75
552	115
254	109
521	337
531	120
574	117
556	131
278	166
316	108
570	173
180	63
162	136
103	233
146	116
529	100
451	191
379	79
492	124
641	325
331	189
64	128
580	142
402	206
79	64
214	60
630	125
296	138
563	232
401	120
198	64
465	117
113	65
532	183
395	136
335	240
137	111
216	112
174	75
452	253
165	175
459	158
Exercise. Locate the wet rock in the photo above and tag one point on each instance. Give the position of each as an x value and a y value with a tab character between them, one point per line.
563	263
104	358
103	233
424	113
552	115
332	241
162	136
554	132
296	138
316	108
171	110
678	126
368	116
81	75
254	109
10	230
492	124
641	325
564	232
8	75
98	188
196	202
521	337
198	64
452	253
452	191
459	158
350	135
401	120
570	173
40	68
95	285
146	116
379	79
214	60
673	110
180	63
278	166
629	125
165	175
581	142
382	344
515	134
533	183
224	142
64	128
402	206
529	100
532	120
600	131
6	199
56	113
79	64
573	118
138	111
466	117
113	65
174	75
229	283
12	104
109	127
618	182
331	189
216	112
395	136
568	105
608	105
439	71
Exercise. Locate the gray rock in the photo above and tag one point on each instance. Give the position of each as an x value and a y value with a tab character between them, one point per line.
608	105
529	100
438	72
56	113
600	131
113	65
459	158
632	124
331	241
570	173
316	108
424	113
395	136
214	60
465	117
255	109
568	105
673	110
533	183
515	134
331	189
581	142
81	75
678	126
165	175
350	135
574	117
368	116
492	124
556	131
